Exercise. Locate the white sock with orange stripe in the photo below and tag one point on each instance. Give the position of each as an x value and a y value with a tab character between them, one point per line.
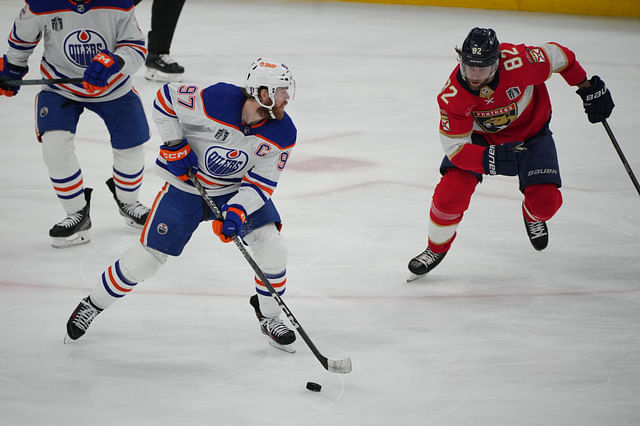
128	169
269	250
60	158
138	264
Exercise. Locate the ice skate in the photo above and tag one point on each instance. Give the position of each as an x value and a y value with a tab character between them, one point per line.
423	263
73	229
537	232
81	319
135	214
279	335
163	68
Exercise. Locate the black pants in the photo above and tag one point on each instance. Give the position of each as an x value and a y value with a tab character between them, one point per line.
164	18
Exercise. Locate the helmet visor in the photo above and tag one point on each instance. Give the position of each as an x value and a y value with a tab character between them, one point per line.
478	75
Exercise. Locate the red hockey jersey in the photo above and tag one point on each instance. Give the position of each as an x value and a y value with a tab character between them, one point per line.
512	107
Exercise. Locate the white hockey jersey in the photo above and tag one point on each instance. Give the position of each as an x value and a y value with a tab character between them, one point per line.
232	156
73	34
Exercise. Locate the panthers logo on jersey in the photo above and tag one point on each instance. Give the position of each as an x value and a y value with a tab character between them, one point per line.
498	119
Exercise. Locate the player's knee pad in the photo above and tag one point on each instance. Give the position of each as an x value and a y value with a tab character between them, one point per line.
129	160
140	263
542	200
453	193
268	248
58	151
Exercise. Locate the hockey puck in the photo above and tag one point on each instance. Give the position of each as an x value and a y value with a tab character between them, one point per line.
313	387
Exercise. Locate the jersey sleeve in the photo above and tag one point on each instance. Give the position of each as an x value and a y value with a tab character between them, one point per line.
130	43
164	113
564	61
24	37
456	127
259	183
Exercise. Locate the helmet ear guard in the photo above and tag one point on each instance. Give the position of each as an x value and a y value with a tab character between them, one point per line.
271	75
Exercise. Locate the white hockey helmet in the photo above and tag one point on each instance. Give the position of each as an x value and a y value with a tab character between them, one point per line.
272	75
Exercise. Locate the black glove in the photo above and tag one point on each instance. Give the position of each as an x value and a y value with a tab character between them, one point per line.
10	72
596	100
503	159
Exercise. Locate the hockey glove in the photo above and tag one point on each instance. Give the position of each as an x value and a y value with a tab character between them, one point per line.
180	158
596	100
102	67
503	159
234	216
10	72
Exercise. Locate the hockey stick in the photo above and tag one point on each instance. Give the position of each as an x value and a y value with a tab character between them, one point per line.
342	366
621	155
43	81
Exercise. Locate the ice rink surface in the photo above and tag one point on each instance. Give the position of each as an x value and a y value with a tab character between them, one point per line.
498	334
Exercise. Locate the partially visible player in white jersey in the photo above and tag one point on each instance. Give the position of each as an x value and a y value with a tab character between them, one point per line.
238	141
99	41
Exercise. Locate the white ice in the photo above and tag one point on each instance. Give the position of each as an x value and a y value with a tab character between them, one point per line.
498	334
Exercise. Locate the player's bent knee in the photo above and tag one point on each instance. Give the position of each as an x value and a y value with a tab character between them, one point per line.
453	193
140	263
57	145
130	157
268	248
543	200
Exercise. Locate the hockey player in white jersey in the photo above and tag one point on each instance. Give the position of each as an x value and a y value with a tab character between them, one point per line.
100	41
238	141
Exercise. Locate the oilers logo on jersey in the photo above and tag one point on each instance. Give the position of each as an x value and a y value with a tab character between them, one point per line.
222	161
82	45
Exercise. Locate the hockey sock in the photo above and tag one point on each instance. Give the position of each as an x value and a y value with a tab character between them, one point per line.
541	202
128	169
60	158
451	199
137	264
270	253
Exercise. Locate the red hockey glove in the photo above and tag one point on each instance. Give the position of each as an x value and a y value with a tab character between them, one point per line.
234	217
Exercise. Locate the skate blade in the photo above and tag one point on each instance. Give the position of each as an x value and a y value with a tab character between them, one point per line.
413	277
67	339
285	348
76	239
132	223
162	77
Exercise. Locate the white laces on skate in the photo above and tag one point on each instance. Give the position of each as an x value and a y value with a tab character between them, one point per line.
84	316
427	257
72	220
275	326
136	209
536	229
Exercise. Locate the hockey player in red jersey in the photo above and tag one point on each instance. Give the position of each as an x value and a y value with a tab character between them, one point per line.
237	141
494	120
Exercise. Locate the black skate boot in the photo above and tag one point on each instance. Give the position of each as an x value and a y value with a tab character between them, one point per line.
161	67
80	319
135	214
73	229
280	336
424	262
538	233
